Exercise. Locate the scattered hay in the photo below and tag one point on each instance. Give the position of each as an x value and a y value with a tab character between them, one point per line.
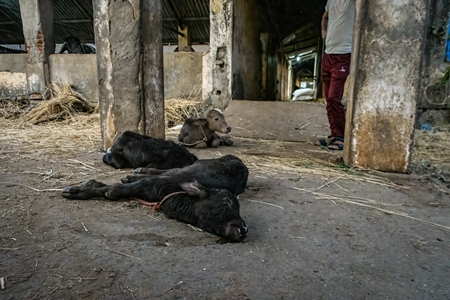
22	140
13	108
64	104
177	110
273	162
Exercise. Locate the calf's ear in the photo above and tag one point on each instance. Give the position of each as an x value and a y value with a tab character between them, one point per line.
193	188
200	122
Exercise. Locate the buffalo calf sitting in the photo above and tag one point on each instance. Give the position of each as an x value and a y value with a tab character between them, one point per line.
132	150
201	133
227	172
178	197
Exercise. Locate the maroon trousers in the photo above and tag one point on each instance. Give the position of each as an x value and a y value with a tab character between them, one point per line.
335	69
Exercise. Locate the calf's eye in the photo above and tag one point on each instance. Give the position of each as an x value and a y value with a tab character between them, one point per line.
227	200
216	119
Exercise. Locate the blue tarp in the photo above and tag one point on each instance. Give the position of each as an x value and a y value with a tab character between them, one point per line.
447	48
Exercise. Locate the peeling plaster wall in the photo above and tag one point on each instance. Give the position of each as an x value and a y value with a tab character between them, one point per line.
38	33
183	75
382	108
13	76
218	61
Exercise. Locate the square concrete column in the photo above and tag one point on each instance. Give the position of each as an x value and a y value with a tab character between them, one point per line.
37	23
217	76
387	52
128	36
246	55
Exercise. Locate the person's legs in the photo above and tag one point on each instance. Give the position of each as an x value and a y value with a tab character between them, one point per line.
327	67
335	108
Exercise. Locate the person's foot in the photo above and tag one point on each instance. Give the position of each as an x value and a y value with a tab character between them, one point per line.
336	144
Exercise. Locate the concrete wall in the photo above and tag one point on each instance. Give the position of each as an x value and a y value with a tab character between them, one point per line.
183	75
78	70
13	76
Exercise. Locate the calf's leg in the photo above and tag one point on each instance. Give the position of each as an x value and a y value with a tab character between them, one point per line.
201	145
94	189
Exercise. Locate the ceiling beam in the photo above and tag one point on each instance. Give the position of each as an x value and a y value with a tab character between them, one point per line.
301	45
188	19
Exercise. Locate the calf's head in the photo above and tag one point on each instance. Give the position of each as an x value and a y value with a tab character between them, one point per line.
218	212
216	121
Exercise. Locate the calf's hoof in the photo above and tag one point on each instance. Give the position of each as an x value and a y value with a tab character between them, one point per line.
71	192
228	142
139	171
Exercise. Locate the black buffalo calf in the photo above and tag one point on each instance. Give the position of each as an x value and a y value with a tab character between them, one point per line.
178	197
227	172
132	150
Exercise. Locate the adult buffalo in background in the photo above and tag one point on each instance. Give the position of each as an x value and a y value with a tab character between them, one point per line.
226	172
178	197
73	45
132	150
201	132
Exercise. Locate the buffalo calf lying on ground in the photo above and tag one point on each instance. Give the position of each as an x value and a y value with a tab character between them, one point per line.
201	133
178	197
132	150
227	172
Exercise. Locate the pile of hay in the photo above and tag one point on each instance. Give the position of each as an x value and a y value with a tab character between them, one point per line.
430	156
63	104
177	110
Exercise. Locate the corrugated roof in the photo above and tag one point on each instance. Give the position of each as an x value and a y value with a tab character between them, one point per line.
75	17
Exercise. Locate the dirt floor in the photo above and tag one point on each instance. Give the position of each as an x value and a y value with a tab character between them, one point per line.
317	229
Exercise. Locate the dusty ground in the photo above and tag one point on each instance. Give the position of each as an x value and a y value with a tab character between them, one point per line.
317	230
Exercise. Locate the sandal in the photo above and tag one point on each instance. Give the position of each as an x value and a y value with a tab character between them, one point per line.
324	142
336	144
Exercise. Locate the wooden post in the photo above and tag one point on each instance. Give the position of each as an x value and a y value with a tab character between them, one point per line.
185	40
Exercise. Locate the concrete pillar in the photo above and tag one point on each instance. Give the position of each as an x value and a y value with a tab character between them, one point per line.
280	74
284	68
217	63
388	48
318	92
272	61
185	40
152	69
130	67
264	63
246	55
290	81
37	16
